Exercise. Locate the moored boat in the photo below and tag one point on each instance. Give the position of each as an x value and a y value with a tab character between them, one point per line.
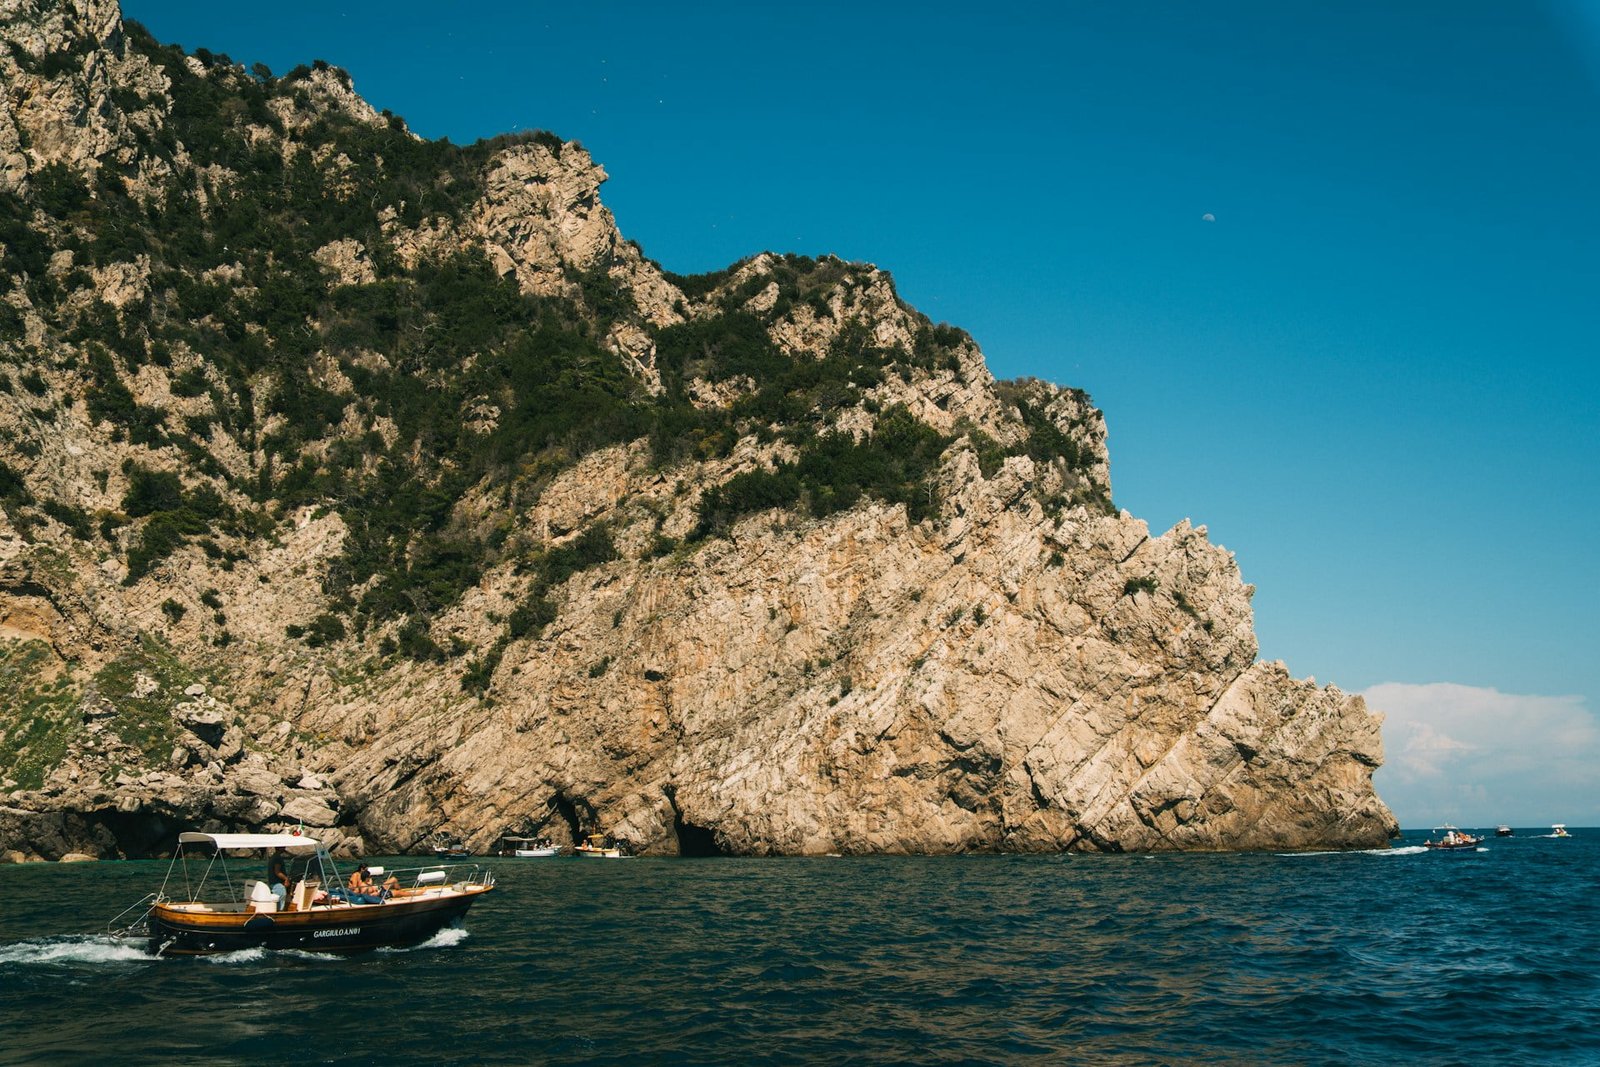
213	910
1452	840
450	848
599	846
528	847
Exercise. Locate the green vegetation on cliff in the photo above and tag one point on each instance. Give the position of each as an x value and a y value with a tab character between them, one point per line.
40	719
418	393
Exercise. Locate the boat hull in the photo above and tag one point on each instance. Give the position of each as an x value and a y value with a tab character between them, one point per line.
353	928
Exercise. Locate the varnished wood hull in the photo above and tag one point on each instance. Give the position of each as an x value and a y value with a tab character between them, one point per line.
356	928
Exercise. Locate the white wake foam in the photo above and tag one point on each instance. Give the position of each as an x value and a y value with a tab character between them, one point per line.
449	937
243	955
92	950
1403	850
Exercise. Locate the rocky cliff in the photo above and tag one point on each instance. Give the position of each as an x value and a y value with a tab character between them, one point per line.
380	486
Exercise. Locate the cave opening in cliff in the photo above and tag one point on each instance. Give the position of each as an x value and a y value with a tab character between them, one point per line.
695	840
136	835
568	812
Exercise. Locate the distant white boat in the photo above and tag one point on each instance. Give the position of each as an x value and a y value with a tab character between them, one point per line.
528	847
1559	830
1452	840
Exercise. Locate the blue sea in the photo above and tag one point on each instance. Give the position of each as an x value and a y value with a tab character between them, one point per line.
1391	956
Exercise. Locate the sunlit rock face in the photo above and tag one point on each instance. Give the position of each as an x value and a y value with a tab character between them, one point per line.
867	686
996	661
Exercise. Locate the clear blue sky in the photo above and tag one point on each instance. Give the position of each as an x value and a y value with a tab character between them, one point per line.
1373	375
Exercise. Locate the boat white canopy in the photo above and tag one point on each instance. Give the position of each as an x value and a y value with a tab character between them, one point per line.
194	837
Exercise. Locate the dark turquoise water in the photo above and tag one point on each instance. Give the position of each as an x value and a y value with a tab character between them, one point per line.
1350	958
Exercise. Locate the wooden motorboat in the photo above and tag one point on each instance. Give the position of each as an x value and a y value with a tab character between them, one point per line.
450	848
599	846
1452	840
202	907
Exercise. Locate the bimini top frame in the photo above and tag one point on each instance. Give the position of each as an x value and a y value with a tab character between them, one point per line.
193	841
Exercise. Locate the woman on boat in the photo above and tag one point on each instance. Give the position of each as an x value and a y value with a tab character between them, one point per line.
359	889
363	890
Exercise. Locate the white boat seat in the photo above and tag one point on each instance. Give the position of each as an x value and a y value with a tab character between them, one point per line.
260	898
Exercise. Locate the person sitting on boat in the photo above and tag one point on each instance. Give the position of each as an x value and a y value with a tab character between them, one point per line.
386	890
360	888
278	876
361	883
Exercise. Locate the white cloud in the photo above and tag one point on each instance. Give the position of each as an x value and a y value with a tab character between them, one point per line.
1477	757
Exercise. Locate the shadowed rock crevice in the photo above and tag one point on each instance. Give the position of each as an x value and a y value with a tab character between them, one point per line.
566	810
695	840
692	840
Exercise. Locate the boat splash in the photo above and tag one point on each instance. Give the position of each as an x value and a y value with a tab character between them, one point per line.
91	949
1403	850
449	937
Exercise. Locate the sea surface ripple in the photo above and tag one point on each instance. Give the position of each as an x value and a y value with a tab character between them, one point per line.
1387	956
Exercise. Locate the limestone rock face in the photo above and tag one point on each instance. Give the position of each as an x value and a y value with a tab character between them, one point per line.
541	220
60	111
348	261
1013	666
541	211
868	686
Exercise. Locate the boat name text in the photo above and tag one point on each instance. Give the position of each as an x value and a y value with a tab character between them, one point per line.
338	931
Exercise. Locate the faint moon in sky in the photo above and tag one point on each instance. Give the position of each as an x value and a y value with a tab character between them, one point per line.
1208	217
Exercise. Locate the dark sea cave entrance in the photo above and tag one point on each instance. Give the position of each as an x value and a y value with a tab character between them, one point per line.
692	840
695	840
567	811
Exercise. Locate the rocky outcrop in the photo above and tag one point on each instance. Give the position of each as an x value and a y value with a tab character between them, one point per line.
1007	681
107	795
541	221
1009	665
64	61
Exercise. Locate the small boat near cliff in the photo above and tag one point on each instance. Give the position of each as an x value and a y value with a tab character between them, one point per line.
1452	840
203	907
528	847
599	846
450	848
